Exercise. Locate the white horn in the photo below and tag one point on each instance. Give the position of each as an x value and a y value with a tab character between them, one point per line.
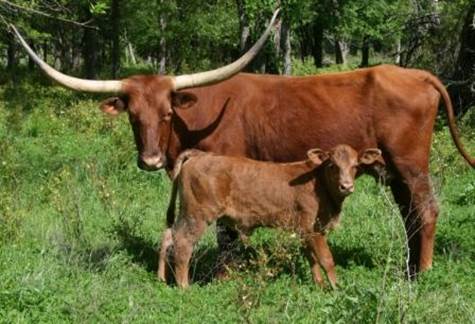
225	72
110	86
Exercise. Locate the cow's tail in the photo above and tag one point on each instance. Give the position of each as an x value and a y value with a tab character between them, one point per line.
451	118
175	179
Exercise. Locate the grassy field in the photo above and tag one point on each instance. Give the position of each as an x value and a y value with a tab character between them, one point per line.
79	225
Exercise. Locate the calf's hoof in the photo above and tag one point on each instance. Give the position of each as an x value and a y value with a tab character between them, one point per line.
161	277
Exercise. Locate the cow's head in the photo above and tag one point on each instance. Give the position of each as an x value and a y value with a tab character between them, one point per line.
341	166
150	100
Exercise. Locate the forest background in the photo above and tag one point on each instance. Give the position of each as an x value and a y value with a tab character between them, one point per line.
79	223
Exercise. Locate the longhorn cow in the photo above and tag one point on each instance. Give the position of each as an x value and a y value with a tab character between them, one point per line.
279	118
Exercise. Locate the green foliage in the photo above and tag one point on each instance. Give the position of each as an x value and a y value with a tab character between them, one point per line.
79	225
380	20
99	8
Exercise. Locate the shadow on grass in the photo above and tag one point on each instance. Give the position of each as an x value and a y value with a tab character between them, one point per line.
90	259
141	250
206	264
145	253
454	248
346	257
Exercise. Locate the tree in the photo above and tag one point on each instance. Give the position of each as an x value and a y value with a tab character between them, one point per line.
115	22
463	87
372	21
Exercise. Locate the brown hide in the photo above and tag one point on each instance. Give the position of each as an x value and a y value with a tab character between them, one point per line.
305	197
276	118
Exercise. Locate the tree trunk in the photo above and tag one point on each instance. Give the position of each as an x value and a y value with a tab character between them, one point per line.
31	63
45	51
365	52
129	50
398	51
243	26
132	57
163	44
463	90
115	20
11	51
340	46
277	37
90	54
286	47
76	58
304	41
64	56
340	51
317	50
435	12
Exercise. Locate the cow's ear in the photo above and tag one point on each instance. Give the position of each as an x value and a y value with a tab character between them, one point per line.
317	156
113	106
183	99
371	156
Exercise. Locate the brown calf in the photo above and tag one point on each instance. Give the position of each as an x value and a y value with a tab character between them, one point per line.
305	197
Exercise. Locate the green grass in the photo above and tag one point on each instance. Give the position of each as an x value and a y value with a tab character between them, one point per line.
79	225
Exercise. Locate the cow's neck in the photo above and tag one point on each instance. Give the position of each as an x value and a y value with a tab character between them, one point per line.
190	130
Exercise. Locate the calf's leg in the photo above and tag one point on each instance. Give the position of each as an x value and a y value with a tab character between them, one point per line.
318	247
314	265
167	242
187	233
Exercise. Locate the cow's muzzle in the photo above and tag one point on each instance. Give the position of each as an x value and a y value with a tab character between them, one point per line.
151	163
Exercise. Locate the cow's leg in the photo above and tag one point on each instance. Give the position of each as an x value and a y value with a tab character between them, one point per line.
167	241
412	192
317	244
187	233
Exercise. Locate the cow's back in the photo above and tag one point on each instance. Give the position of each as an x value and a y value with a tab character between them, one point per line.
277	118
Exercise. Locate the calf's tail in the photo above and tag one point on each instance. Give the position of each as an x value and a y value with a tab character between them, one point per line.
171	205
175	178
451	118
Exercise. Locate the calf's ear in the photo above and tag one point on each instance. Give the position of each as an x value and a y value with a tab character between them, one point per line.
317	156
370	156
113	106
183	99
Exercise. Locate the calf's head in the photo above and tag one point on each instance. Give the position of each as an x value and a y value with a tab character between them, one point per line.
340	166
149	100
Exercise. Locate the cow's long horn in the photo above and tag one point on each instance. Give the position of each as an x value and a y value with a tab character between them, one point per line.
225	72
110	86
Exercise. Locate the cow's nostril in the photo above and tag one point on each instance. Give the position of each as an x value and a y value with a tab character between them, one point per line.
346	187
